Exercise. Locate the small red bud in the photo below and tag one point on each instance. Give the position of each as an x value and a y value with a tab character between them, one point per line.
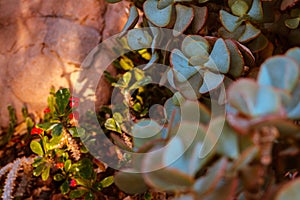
36	131
73	183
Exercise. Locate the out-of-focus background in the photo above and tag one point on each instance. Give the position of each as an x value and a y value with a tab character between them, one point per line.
42	44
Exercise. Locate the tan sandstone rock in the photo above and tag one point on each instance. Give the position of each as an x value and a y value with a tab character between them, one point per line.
43	43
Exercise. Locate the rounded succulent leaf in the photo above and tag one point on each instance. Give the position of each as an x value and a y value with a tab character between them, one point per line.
292	23
195	45
239	8
219	58
159	17
289	191
280	72
184	17
139	39
183	71
229	21
252	99
250	33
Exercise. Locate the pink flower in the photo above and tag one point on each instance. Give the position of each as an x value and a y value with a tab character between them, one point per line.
37	131
73	183
74	102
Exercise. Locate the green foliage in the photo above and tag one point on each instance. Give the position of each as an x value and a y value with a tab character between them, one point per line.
58	150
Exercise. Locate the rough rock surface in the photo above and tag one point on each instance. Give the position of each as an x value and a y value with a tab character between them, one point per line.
42	44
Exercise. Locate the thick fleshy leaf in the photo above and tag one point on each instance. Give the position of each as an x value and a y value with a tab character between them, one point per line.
184	17
289	191
258	44
236	59
293	107
294	53
131	183
201	14
164	3
219	59
195	46
173	155
232	35
159	17
292	23
145	131
183	71
250	33
239	8
169	180
190	89
212	177
139	39
256	11
280	72
252	99
227	144
195	112
113	1
171	107
132	19
229	21
211	81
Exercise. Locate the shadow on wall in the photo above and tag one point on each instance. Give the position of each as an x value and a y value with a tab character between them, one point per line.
42	43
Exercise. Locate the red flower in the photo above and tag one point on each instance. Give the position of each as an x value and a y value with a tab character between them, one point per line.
74	115
74	102
59	165
73	183
47	110
36	131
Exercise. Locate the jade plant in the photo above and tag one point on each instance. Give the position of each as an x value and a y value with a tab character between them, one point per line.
212	45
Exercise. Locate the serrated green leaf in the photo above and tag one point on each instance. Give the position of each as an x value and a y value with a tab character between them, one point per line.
65	188
74	194
57	130
67	165
108	181
39	169
58	177
36	148
62	97
45	173
112	125
184	17
37	162
76	131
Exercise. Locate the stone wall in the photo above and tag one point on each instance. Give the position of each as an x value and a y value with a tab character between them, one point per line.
42	44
